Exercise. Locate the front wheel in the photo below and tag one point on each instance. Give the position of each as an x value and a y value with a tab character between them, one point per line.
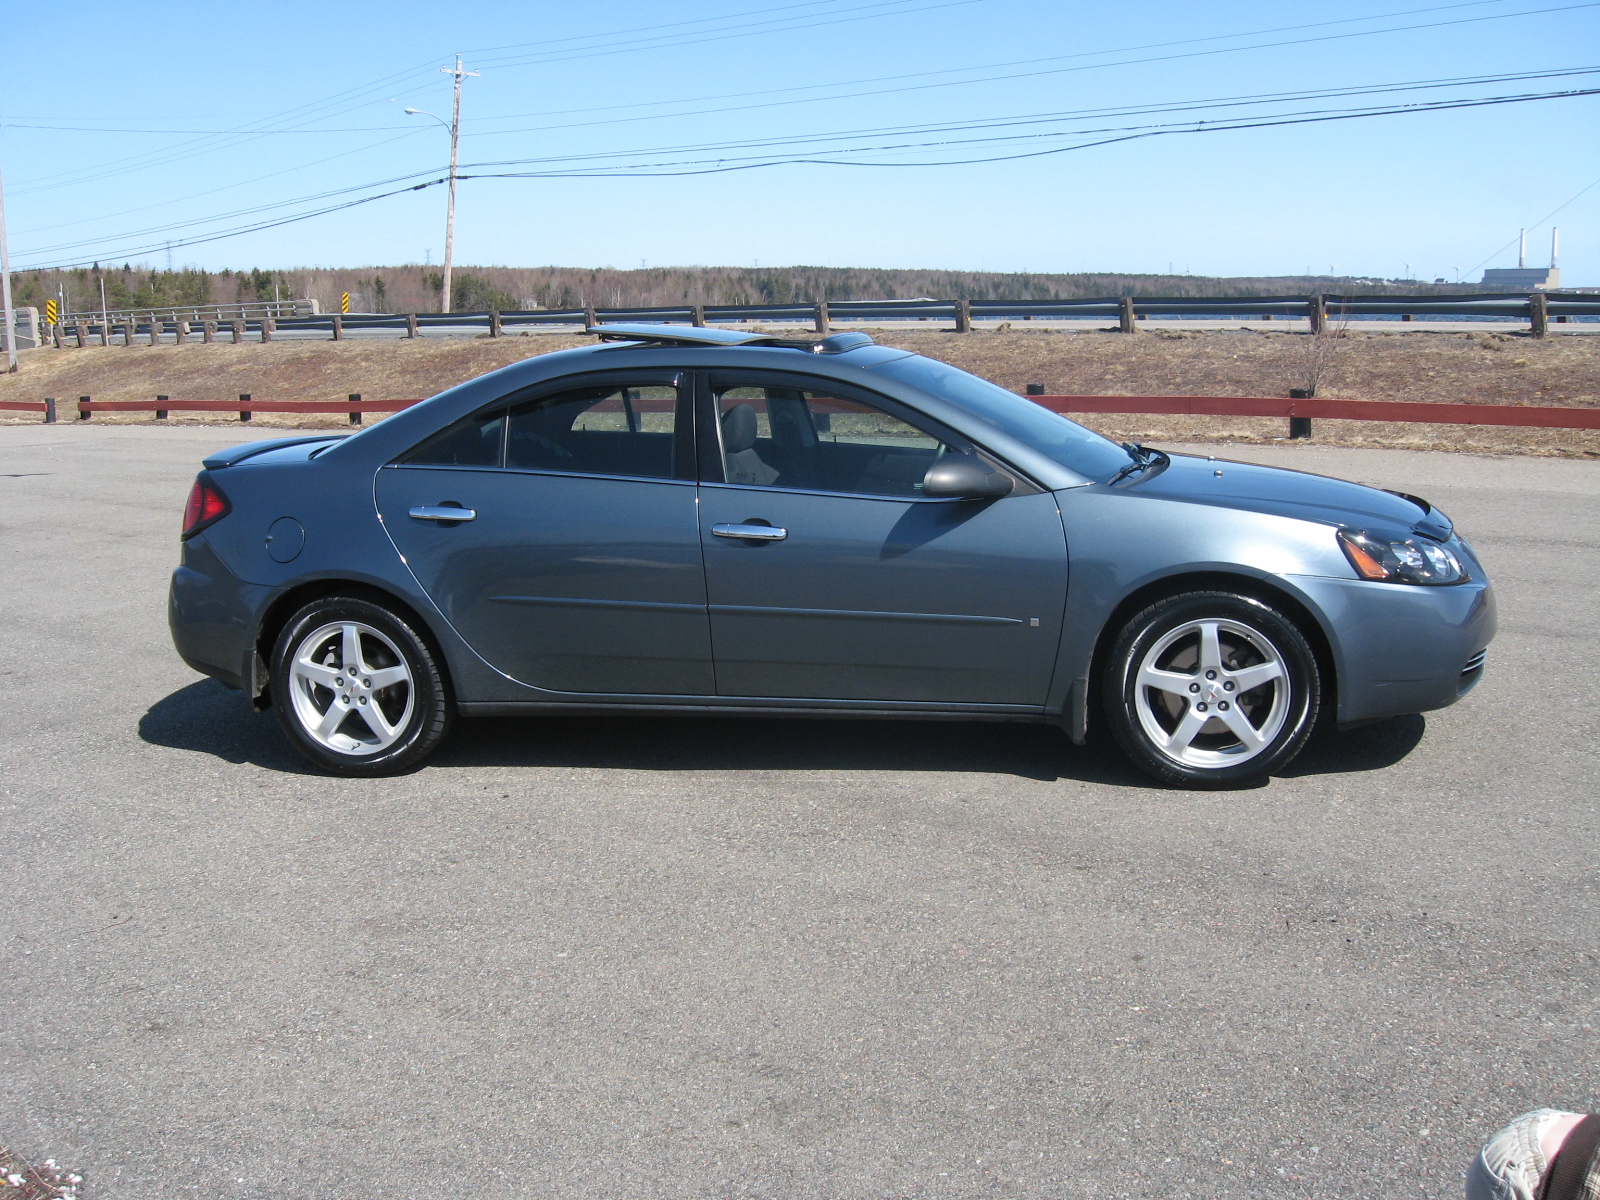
1211	689
358	691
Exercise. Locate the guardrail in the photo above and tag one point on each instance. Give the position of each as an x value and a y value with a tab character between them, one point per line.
1300	411
1538	309
352	406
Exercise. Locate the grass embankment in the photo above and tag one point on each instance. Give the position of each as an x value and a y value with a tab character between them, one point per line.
1474	368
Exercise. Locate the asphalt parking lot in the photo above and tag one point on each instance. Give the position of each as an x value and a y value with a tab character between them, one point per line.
719	958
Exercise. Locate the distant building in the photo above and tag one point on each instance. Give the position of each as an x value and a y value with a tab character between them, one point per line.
1522	277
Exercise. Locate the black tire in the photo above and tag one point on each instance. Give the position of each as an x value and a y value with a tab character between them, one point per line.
1200	728
387	727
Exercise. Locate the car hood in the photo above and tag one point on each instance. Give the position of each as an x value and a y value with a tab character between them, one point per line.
1286	493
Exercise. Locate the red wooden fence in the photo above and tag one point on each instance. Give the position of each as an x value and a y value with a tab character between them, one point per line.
1331	410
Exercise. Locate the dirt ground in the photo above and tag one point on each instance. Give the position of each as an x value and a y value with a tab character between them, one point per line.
1473	368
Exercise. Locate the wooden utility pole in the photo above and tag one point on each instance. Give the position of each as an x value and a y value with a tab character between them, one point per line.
9	314
450	210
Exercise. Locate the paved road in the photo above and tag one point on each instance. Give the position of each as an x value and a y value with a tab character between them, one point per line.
679	958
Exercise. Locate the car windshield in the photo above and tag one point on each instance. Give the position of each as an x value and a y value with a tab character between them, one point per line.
1051	434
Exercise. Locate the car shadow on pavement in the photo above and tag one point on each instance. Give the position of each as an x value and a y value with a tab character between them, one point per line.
1364	748
213	719
1040	752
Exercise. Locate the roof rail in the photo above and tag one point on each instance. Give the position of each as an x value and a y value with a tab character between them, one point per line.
699	335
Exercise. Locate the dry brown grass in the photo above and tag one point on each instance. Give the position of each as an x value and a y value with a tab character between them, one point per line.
1473	368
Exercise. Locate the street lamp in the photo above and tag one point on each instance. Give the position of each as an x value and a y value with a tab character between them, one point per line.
454	126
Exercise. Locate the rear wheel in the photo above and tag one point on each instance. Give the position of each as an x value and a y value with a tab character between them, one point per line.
358	691
1211	689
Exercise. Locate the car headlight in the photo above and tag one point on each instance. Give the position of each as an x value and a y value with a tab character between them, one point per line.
1417	560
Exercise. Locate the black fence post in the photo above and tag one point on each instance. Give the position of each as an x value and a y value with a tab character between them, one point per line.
355	414
161	413
1300	427
963	316
1538	314
244	397
1036	389
83	413
1126	316
49	410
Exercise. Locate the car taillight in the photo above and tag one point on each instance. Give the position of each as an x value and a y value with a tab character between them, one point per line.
207	505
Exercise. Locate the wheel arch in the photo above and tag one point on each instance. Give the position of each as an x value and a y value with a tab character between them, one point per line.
283	606
1305	617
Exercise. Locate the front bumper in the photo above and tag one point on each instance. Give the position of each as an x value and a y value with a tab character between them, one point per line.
1400	649
211	613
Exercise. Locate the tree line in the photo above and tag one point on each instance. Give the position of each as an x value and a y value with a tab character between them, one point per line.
417	287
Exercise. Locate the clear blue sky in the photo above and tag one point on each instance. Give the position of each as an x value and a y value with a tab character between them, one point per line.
282	102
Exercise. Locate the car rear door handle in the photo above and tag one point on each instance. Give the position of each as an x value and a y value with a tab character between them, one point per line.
443	512
751	533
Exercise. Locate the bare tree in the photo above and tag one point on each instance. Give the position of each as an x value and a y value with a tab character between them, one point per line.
1320	352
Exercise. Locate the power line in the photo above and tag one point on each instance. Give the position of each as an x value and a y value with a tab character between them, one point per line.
1536	225
653	171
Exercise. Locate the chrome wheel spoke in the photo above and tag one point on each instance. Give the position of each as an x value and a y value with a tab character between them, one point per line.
1253	677
1249	736
350	647
1184	734
311	672
377	722
332	719
387	676
1166	681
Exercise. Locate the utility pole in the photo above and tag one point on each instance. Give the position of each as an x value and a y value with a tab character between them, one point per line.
450	211
10	316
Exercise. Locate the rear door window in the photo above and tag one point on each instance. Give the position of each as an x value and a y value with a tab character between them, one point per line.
599	430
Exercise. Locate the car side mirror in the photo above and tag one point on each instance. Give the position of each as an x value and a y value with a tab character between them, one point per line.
965	477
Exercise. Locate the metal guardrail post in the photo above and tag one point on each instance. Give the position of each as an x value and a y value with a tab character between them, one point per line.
411	325
821	316
1317	313
1538	314
161	413
590	318
1300	427
697	315
244	398
963	316
49	410
1126	316
494	322
355	414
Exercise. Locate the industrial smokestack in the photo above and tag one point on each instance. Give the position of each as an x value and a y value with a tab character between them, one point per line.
1522	248
1555	248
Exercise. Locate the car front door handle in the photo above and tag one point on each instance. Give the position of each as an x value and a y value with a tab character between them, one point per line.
443	512
750	533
